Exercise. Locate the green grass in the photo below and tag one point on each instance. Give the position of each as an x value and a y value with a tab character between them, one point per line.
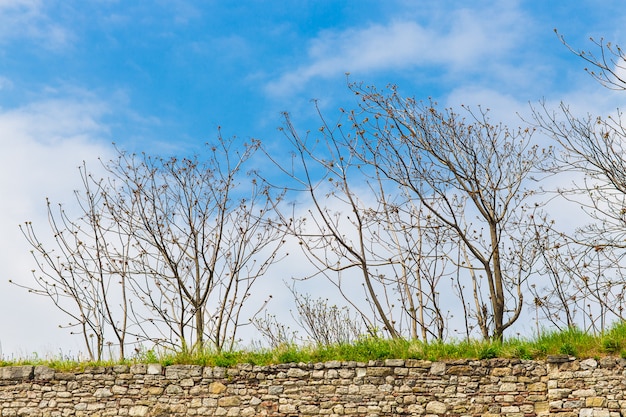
571	342
61	364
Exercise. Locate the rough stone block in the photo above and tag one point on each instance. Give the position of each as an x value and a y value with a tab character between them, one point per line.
154	369
43	373
297	373
232	401
537	387
459	370
595	402
248	412
17	372
187	382
121	369
309	409
499	372
589	392
138	368
394	362
219	372
556	404
174	389
508	387
378	371
436	407
346	373
438	368
118	389
275	390
608	362
558	393
183	371
510	409
573	404
155	390
417	363
138	411
318	374
589	364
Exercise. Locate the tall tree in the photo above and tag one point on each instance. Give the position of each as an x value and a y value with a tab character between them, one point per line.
335	241
406	195
355	232
202	237
472	177
592	149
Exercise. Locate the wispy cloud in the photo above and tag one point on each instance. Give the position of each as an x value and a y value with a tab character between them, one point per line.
5	83
28	19
468	38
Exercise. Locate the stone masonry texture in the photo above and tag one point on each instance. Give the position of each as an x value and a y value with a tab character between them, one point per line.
559	386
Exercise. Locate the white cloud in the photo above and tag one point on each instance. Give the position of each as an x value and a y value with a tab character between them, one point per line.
14	4
42	145
27	19
5	83
619	69
462	43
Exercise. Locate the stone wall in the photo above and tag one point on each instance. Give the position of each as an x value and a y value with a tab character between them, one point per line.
560	386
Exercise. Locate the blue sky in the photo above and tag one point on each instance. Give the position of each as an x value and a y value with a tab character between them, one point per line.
161	76
172	71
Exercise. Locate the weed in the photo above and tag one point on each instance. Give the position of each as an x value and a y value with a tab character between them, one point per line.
611	345
567	349
291	354
488	352
149	357
226	359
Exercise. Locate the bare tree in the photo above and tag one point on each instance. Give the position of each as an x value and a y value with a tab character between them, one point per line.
555	295
589	259
204	238
594	147
469	175
581	285
608	64
184	240
335	242
418	260
84	272
361	230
